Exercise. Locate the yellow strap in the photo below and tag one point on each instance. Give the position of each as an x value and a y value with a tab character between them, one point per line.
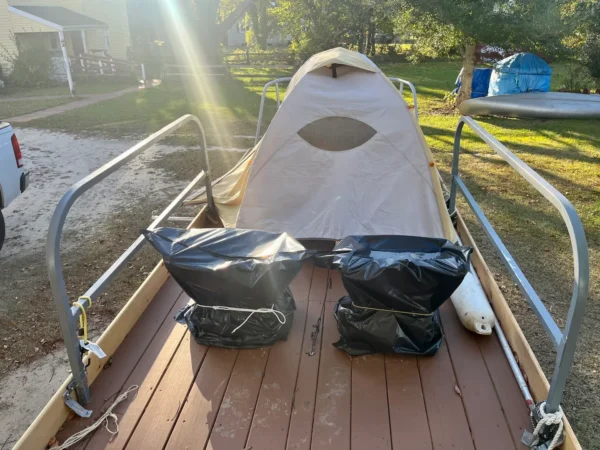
83	316
395	311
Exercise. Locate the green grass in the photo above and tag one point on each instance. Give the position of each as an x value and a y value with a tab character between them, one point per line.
14	108
566	153
228	108
81	88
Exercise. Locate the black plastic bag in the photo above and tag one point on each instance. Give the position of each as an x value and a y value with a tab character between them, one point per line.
396	285
233	329
366	331
228	270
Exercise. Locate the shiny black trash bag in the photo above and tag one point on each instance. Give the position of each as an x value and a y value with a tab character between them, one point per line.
395	286
225	270
233	329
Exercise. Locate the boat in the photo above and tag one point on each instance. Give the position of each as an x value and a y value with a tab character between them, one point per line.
146	384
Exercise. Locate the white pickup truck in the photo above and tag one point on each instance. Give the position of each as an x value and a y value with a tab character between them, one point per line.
13	177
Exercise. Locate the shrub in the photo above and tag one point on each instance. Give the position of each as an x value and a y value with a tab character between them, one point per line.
576	79
591	55
31	67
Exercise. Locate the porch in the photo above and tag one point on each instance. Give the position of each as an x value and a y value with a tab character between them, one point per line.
72	38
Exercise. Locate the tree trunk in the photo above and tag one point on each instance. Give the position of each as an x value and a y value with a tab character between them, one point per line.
361	42
371	49
467	74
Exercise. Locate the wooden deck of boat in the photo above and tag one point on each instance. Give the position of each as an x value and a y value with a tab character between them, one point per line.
194	397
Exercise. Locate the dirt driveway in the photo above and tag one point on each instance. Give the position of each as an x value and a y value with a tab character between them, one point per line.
102	223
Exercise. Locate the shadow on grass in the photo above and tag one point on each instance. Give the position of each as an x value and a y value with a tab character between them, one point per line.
556	130
570	153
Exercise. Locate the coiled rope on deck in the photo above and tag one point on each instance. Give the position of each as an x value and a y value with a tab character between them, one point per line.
109	414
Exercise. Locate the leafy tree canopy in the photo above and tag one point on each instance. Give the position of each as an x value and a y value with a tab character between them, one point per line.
530	25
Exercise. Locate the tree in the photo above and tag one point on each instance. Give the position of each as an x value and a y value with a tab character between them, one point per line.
533	25
212	19
584	15
317	25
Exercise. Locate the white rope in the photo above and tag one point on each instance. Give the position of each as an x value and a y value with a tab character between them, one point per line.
80	435
550	419
278	314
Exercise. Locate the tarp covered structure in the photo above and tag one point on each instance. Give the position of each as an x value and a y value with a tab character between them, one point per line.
343	156
480	83
519	73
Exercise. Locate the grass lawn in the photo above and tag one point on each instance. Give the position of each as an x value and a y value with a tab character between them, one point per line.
227	108
19	107
81	88
566	153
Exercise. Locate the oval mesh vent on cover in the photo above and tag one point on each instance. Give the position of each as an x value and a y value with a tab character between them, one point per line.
337	133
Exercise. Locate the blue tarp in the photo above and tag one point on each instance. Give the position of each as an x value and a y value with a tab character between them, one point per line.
480	84
523	72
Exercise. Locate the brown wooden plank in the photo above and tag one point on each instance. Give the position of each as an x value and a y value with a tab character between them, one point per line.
198	415
447	419
486	418
112	379
370	417
273	409
336	287
300	286
301	422
408	416
237	408
146	375
509	393
331	428
538	383
234	419
160	416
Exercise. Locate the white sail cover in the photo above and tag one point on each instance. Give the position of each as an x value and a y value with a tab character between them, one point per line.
342	156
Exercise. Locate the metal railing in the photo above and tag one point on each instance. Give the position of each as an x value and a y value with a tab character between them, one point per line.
412	89
565	340
68	315
262	102
277	81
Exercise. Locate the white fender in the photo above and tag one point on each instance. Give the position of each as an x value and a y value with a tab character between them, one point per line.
472	306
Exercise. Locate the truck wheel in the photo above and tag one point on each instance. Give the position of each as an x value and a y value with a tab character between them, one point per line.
2	230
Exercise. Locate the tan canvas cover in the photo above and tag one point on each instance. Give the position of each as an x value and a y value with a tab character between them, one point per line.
342	156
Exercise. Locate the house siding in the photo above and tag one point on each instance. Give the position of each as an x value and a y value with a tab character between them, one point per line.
6	41
113	13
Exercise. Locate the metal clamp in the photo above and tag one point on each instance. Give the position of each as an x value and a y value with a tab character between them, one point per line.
68	315
565	340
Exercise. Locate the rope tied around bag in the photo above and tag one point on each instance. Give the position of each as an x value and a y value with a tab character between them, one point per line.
281	318
395	311
555	418
108	414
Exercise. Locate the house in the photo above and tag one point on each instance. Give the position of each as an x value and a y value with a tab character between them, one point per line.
67	28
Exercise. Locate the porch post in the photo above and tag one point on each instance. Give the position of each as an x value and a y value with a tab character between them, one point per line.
106	43
63	47
85	48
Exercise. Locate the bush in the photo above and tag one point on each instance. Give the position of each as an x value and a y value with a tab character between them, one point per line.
31	67
591	55
576	79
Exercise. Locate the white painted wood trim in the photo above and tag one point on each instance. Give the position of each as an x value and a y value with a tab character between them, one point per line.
63	47
85	47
